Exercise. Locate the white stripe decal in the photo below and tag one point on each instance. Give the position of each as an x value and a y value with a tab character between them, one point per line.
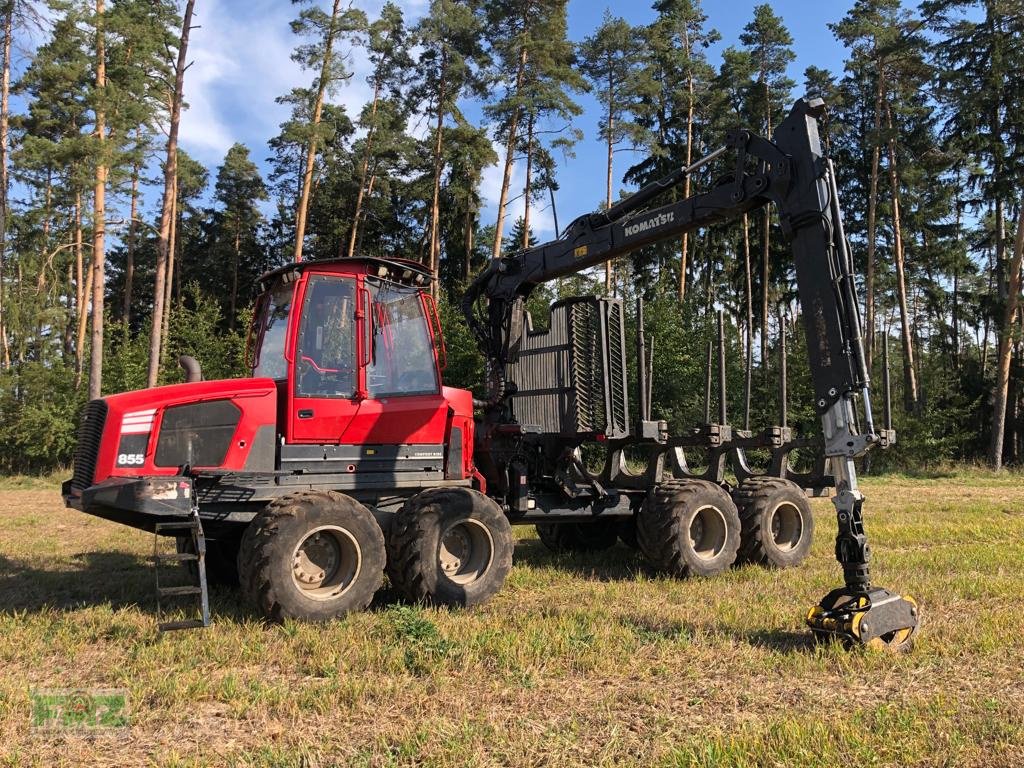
142	429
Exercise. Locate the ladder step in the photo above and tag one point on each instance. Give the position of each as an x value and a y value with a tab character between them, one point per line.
170	626
179	557
180	591
182	525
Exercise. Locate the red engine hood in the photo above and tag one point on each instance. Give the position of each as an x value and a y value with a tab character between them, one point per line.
174	394
134	420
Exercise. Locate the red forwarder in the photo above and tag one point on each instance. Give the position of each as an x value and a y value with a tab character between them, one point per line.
344	455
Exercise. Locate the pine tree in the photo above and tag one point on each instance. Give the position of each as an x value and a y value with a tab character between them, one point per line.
609	59
384	118
238	191
165	250
536	63
325	54
768	42
452	64
674	101
978	61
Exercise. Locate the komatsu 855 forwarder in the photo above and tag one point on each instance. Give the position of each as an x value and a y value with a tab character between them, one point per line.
344	457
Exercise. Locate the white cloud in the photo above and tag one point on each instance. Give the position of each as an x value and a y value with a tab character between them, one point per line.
241	62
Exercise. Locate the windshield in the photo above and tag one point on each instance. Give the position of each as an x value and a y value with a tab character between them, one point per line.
403	353
272	332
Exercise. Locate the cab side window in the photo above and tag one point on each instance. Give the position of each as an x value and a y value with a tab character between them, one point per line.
403	360
325	356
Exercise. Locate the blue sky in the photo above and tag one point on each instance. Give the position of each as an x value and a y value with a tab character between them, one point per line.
241	62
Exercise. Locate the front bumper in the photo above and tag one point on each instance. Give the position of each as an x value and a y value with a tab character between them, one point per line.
140	502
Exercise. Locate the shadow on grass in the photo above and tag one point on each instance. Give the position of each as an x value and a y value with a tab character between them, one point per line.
781	640
117	579
618	563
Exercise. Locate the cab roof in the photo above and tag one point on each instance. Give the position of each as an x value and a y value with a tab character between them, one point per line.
403	271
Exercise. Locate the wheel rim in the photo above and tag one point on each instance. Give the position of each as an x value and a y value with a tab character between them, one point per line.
326	562
465	551
708	532
787	526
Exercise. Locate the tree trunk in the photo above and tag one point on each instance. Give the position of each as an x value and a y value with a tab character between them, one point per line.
510	153
83	290
364	168
169	282
684	247
129	267
99	212
237	255
526	187
608	180
5	92
766	249
999	395
318	108
167	205
750	322
869	281
434	245
467	239
910	376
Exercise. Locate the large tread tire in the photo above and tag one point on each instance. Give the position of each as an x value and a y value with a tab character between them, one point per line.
677	510
267	556
221	560
592	536
425	524
777	525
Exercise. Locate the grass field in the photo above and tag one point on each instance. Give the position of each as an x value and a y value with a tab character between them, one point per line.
580	661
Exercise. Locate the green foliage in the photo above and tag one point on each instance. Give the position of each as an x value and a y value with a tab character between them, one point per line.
927	103
38	417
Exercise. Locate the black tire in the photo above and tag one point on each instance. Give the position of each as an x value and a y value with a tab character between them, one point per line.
777	526
592	536
221	560
312	556
449	546
689	528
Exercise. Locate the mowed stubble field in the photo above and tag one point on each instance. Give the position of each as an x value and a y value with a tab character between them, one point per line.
580	661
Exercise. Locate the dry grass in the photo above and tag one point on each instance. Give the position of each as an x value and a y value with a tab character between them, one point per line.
580	661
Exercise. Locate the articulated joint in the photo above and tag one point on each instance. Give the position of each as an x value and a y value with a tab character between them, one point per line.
852	549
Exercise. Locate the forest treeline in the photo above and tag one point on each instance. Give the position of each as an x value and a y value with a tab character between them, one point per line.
119	251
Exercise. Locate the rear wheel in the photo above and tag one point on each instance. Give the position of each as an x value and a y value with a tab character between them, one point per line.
312	555
449	546
777	523
592	536
689	528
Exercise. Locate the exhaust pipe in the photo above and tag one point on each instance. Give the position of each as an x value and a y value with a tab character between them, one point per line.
193	372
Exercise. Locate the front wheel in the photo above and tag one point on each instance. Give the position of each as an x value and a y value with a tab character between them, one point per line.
312	556
449	546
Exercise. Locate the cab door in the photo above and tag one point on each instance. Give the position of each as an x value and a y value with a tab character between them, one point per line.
323	392
404	404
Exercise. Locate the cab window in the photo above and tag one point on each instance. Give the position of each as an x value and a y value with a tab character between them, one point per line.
273	331
325	355
402	360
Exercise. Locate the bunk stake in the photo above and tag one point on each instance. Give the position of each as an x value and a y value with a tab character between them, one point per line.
886	387
722	415
641	363
707	386
783	399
